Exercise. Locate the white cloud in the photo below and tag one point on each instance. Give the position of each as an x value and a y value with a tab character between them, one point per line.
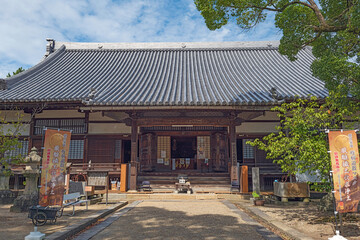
24	26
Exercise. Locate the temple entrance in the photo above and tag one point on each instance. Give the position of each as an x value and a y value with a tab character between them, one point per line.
170	149
183	153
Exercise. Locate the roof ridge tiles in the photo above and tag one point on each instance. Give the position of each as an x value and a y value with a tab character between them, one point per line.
167	45
171	49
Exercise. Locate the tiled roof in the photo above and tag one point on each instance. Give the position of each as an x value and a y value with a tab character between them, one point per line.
165	74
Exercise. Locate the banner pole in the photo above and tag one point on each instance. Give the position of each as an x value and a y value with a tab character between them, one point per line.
334	203
333	187
341	224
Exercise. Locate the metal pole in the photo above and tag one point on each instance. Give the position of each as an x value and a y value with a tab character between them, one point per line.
334	203
332	185
341	225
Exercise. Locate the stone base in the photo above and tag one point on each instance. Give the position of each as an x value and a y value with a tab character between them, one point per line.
291	190
326	203
7	196
35	235
24	202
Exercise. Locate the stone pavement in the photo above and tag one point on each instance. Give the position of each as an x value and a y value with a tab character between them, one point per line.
180	219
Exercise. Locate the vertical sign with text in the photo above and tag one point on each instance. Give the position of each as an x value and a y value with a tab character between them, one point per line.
56	150
345	165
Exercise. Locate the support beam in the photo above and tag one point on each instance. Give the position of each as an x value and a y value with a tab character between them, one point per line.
233	152
134	155
31	134
208	121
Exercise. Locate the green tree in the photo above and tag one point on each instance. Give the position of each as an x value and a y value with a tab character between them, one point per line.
332	28
300	145
9	141
9	137
19	70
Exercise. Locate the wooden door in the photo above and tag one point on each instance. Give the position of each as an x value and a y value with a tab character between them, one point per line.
163	160
101	150
147	152
219	152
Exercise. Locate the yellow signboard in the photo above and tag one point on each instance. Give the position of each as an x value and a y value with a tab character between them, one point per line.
345	165
56	150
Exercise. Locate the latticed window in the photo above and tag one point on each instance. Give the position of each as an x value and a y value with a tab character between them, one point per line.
203	147
76	150
118	149
248	150
163	145
77	126
22	150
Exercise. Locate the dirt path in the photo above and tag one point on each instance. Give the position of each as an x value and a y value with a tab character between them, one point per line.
15	226
307	219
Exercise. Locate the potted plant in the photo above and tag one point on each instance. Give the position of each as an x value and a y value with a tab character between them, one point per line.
257	199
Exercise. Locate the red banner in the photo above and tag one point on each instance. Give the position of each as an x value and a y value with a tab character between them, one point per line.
345	166
56	149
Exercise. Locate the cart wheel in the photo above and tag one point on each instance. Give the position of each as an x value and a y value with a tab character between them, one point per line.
59	213
53	221
39	219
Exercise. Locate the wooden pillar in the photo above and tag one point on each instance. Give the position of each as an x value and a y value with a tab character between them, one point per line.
233	153
86	139
31	133
134	155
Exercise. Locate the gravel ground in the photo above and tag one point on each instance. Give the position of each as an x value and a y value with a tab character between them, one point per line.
181	219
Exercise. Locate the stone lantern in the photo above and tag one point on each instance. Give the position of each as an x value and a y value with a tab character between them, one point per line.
32	173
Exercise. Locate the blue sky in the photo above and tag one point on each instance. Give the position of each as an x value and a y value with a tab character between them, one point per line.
24	26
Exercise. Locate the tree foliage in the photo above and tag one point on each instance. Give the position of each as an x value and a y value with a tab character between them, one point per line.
9	137
9	141
300	145
332	28
19	70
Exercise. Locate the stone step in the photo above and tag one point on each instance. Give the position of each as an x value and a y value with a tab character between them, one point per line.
192	181
115	197
191	174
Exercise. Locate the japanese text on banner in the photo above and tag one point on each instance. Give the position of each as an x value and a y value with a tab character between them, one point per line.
56	149
345	166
